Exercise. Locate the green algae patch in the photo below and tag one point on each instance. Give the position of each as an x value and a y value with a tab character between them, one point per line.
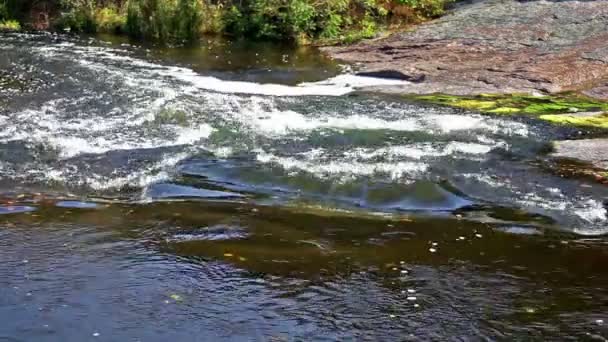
600	120
559	109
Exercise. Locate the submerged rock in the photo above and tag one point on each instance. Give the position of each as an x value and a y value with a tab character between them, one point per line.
594	151
586	158
501	46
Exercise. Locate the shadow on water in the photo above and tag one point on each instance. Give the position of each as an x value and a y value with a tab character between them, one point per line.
243	60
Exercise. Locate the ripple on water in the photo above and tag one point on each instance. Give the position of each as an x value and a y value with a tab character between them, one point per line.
520	230
211	233
168	191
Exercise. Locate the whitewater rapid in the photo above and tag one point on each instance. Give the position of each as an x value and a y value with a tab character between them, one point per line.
106	119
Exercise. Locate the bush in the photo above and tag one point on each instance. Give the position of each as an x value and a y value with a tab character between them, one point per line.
10	25
77	15
78	20
212	18
165	20
180	21
426	8
109	19
10	11
304	20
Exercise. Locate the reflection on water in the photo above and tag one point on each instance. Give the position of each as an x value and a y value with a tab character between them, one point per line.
220	271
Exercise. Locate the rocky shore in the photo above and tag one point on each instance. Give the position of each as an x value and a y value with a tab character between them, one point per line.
496	46
500	47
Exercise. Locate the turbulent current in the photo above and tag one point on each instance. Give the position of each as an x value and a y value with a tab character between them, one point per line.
95	120
238	191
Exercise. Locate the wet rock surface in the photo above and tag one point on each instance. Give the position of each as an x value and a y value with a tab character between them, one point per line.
499	46
594	151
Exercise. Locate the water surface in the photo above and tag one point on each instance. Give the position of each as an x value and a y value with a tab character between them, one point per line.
236	191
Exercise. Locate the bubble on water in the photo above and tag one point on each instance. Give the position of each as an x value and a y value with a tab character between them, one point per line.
432	250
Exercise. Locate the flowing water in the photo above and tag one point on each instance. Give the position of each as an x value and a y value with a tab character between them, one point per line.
238	191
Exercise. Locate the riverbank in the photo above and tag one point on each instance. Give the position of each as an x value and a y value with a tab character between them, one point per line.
501	46
539	49
302	22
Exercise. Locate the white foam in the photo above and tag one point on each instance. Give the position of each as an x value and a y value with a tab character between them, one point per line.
592	211
336	86
346	169
420	151
143	177
592	215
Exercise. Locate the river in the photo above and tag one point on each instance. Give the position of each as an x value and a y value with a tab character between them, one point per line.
240	191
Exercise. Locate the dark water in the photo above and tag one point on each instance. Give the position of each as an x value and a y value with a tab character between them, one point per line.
237	191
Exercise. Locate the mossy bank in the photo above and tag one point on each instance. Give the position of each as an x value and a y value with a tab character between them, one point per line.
568	108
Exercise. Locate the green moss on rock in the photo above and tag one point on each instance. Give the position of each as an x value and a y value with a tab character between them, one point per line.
560	109
600	120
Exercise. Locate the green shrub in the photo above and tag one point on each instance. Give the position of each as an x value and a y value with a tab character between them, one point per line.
212	18
187	20
179	21
165	20
10	25
233	21
77	20
426	8
109	19
10	11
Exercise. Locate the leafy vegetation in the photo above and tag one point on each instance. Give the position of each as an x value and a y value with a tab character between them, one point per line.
10	25
178	21
561	109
